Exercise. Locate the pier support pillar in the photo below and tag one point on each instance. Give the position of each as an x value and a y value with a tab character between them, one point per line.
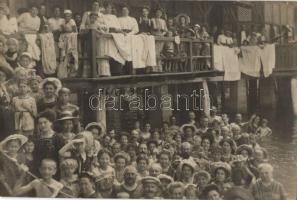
235	97
267	94
294	94
164	93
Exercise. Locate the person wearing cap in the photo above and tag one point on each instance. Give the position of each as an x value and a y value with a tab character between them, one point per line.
70	25
128	24
151	187
63	103
97	128
50	87
6	72
66	125
130	184
25	110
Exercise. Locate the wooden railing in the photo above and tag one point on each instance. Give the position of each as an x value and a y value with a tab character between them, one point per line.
191	55
286	58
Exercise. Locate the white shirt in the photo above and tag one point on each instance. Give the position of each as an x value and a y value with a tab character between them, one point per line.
129	23
111	21
56	23
27	23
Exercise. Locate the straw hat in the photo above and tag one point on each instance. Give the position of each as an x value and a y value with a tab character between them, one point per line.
52	80
204	174
66	115
122	154
178	17
244	147
185	126
97	125
26	54
222	165
165	177
23	139
189	163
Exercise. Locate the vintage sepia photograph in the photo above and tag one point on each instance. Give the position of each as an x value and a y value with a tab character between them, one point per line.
148	99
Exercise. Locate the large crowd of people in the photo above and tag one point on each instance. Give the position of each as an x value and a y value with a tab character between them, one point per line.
45	150
52	50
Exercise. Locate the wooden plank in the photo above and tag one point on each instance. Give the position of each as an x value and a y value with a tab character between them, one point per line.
94	54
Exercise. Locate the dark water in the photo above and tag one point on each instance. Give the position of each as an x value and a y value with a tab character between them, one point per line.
282	149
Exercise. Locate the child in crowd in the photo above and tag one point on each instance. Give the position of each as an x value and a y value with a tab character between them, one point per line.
87	186
69	178
25	110
46	186
11	162
169	53
68	52
263	130
70	25
76	149
103	165
25	62
11	54
35	91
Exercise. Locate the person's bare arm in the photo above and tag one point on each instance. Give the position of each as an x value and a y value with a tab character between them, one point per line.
20	190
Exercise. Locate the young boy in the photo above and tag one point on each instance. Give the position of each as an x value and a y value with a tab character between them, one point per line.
46	186
263	130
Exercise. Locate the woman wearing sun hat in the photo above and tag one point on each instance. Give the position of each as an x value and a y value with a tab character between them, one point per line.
50	87
222	172
66	124
9	156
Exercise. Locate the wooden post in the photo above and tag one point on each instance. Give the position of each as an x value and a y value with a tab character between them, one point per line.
191	56
94	54
166	113
101	114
